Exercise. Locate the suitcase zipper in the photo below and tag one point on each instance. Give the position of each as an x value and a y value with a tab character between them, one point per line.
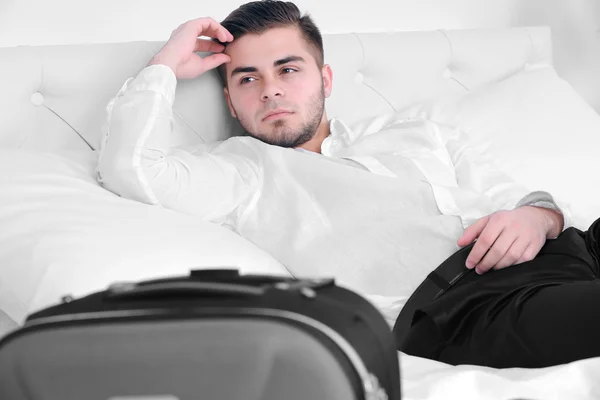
306	288
381	346
372	390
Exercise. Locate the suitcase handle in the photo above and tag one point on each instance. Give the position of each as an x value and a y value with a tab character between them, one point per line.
127	290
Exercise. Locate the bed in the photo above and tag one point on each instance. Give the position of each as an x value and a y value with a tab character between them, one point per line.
61	233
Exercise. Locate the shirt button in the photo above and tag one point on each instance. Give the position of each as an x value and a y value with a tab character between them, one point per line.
37	99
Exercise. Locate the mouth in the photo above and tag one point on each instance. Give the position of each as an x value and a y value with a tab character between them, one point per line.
277	114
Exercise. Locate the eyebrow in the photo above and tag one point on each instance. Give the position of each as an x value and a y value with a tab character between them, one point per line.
241	70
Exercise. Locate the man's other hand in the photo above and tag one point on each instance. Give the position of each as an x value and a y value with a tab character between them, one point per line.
509	237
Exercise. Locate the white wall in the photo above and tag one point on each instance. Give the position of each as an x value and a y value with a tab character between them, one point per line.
576	38
40	22
574	23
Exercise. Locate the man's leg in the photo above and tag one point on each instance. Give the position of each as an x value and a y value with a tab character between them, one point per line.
553	325
540	313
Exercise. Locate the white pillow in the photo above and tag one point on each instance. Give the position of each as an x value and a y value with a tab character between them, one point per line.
540	131
62	233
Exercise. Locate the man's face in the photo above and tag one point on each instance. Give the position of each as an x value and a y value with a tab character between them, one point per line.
275	88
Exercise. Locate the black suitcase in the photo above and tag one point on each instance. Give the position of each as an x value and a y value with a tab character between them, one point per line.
213	335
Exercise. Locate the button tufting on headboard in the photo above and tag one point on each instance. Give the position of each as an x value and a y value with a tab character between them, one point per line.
359	78
37	99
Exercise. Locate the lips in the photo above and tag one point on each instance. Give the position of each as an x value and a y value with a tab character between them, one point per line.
276	114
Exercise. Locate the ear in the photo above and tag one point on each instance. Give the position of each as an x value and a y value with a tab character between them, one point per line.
228	98
327	74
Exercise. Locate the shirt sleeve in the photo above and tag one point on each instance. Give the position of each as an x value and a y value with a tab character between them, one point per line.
478	172
137	162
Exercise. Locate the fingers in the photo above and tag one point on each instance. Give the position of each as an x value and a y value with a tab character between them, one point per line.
208	46
507	238
495	253
214	60
473	232
529	253
506	251
513	253
485	241
211	28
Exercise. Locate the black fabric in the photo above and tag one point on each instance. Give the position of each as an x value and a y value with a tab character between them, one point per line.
536	314
446	275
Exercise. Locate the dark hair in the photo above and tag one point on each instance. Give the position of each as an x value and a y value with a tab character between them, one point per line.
259	16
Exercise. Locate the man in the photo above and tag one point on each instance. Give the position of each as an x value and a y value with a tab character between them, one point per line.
378	209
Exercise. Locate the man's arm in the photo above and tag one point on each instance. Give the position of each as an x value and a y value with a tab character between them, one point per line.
476	171
522	220
137	162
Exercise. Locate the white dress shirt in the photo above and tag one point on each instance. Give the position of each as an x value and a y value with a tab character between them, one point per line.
378	209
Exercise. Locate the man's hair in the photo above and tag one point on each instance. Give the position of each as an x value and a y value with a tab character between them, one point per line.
259	16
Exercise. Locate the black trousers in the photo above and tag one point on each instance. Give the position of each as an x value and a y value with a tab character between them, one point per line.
536	314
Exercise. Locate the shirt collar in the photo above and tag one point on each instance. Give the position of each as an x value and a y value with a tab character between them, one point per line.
340	137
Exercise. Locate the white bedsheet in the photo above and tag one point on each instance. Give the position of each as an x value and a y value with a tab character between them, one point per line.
425	379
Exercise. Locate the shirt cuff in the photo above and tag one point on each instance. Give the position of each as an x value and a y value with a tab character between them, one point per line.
155	78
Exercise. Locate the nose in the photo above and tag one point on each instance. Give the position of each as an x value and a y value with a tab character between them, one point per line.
271	90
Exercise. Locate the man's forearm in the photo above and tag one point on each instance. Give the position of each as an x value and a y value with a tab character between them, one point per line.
138	162
138	132
160	59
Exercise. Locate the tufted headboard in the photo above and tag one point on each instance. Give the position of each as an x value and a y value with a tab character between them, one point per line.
55	96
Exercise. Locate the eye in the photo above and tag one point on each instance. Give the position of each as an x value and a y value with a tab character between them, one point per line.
245	80
288	69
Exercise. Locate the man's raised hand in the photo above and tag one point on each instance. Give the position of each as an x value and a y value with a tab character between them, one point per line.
179	51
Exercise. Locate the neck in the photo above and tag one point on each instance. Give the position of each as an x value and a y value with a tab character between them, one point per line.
314	144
